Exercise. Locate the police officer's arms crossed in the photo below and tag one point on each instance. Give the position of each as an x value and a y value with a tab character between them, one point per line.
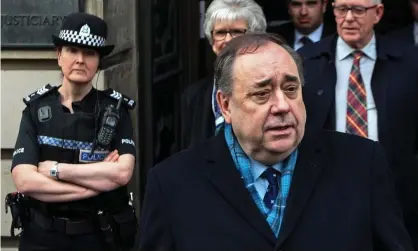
99	176
62	191
82	180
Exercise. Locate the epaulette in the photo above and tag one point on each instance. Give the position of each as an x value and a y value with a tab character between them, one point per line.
39	93
128	102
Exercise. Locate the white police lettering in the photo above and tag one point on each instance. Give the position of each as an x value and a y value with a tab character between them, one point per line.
128	141
116	95
17	151
131	102
42	90
95	157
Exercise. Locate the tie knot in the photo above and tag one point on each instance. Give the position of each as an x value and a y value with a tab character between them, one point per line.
357	55
271	175
305	40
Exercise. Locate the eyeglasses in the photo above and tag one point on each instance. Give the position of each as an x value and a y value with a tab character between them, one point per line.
220	35
356	11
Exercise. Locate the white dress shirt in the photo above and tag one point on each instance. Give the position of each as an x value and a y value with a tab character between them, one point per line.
261	184
315	36
344	63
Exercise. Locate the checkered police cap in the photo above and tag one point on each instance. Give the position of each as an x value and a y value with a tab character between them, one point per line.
84	30
82	38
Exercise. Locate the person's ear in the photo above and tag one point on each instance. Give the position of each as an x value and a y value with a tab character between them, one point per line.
224	105
380	9
58	52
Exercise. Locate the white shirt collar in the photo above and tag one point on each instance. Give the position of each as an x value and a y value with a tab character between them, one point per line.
315	36
344	50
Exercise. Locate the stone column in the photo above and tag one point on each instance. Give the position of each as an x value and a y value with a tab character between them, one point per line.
120	67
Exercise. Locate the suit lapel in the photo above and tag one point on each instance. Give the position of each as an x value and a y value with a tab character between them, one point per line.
225	177
307	172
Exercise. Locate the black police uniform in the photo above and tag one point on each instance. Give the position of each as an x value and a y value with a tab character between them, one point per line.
48	131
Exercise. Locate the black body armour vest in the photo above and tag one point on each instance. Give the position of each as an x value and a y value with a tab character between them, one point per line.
68	138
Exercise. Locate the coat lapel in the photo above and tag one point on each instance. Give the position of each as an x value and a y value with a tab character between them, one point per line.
379	83
319	92
225	177
307	172
326	95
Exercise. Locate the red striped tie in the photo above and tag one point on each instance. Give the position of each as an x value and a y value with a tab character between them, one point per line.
356	100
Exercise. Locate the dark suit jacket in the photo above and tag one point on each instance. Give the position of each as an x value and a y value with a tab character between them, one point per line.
287	31
404	35
341	198
395	91
198	121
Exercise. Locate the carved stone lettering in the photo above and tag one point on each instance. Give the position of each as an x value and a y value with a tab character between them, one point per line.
30	23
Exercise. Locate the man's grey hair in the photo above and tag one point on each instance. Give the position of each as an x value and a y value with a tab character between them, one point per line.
231	10
249	43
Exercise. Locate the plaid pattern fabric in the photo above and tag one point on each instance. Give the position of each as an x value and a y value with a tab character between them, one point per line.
66	143
74	37
356	117
274	217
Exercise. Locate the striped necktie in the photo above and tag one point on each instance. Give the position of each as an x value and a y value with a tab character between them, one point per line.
356	100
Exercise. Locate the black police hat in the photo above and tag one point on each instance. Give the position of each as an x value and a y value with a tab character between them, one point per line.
84	30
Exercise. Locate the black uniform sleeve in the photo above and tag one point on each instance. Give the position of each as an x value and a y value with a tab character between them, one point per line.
124	142
27	147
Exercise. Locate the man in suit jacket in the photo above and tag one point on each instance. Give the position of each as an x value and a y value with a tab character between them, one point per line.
364	84
224	20
307	23
408	34
264	183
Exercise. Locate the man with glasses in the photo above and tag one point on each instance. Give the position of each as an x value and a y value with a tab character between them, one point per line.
225	19
307	23
360	83
409	34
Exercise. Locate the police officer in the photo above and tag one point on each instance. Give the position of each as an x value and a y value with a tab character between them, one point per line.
74	183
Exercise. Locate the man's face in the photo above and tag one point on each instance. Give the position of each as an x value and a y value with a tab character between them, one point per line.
414	7
265	109
78	65
223	32
307	15
356	28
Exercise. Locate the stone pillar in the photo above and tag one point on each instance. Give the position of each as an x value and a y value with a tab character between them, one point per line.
120	67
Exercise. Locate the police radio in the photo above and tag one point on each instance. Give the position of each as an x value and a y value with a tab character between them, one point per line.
108	126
